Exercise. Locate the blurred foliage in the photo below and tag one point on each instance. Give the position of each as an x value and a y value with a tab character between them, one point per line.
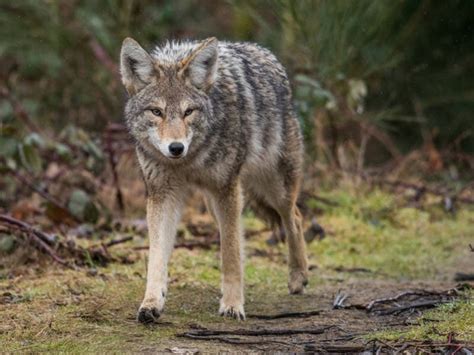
402	65
378	59
399	70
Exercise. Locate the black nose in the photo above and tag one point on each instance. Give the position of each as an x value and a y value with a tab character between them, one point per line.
176	149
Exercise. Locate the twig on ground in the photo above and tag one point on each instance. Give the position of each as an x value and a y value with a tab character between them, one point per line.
378	346
371	304
431	299
381	306
352	269
350	348
44	242
118	241
285	315
343	338
256	332
410	306
254	233
233	340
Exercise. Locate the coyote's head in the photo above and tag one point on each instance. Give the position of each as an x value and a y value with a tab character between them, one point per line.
168	108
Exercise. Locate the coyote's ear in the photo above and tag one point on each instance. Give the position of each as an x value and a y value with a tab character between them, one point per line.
136	66
200	67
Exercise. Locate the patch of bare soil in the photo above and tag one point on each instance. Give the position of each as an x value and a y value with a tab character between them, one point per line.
329	320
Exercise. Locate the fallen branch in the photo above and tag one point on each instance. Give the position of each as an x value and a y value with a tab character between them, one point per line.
44	243
350	348
412	306
403	301
99	252
118	241
233	340
40	239
371	304
285	315
202	245
352	269
377	346
254	233
256	332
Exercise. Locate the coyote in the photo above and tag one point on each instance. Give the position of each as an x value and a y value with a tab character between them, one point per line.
216	116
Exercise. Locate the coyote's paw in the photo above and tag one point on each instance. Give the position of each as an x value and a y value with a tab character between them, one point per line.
233	311
148	315
297	282
149	311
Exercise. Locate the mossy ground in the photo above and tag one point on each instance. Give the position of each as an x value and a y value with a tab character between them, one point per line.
402	246
455	318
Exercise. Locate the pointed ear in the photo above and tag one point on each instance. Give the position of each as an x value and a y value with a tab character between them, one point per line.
136	66
200	67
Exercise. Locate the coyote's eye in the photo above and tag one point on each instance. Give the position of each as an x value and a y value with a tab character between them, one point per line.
188	112
156	112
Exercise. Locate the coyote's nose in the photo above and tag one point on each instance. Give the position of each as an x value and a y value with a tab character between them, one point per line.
176	149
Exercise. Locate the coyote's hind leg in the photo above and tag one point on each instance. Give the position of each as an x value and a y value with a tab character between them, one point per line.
281	195
298	262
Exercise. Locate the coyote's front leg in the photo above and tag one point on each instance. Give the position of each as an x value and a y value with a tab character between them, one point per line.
163	213
227	207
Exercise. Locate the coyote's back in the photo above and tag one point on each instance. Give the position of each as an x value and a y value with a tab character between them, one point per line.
253	87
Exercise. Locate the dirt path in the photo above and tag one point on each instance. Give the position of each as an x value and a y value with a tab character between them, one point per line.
339	329
73	311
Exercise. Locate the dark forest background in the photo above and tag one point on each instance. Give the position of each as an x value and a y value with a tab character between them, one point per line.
381	87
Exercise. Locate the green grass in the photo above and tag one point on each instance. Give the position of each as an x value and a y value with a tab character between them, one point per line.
452	318
381	233
67	310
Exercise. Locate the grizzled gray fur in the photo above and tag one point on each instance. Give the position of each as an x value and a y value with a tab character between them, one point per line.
216	116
